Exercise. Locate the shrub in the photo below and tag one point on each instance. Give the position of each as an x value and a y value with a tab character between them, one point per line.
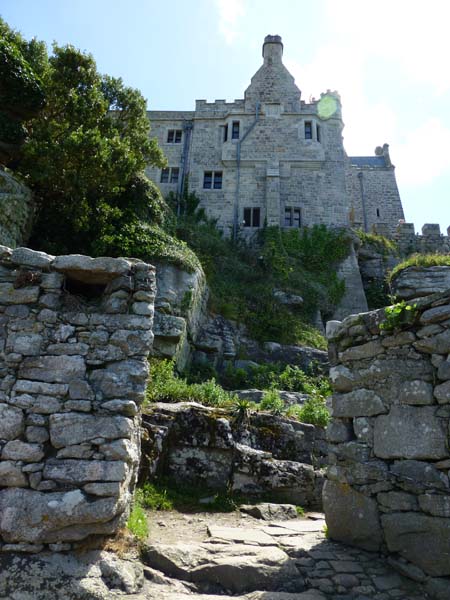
398	315
272	402
313	411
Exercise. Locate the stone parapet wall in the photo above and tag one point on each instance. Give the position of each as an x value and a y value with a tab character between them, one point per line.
388	480
75	333
430	240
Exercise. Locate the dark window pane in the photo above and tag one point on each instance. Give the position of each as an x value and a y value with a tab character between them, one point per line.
218	180
177	136
287	217
170	136
247	217
207	180
378	212
235	130
318	133
225	133
174	175
256	217
165	175
308	130
297	219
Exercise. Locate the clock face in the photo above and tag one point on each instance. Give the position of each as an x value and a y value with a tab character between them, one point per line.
327	106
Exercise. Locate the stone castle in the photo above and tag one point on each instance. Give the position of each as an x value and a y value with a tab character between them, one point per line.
273	159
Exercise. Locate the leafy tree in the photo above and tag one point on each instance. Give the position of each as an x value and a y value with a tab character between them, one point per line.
21	93
86	158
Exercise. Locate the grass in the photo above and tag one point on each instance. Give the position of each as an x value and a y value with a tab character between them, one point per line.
420	260
380	243
166	386
137	521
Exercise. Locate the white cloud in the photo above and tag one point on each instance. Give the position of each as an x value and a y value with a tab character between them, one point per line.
230	13
424	154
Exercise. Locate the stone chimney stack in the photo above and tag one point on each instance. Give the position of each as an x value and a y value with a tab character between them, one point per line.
272	50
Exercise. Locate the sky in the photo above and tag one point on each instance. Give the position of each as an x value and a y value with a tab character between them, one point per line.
387	59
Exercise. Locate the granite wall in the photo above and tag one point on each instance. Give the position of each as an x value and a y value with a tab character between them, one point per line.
75	333
388	479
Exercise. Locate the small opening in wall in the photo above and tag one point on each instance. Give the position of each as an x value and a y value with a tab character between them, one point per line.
378	212
89	291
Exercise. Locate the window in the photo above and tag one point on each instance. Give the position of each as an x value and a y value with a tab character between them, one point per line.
174	172
318	133
174	136
235	130
170	174
308	130
225	133
252	217
378	212
292	217
212	180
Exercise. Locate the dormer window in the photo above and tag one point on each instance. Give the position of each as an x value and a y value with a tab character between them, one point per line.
235	130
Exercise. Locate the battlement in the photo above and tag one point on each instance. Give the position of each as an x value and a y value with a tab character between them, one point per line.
218	106
429	240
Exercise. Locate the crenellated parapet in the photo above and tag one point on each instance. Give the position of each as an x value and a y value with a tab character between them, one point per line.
430	240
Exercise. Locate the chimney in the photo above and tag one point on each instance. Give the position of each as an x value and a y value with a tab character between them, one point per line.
272	50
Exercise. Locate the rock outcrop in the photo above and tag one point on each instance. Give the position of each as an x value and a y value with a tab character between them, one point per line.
388	484
75	333
255	454
16	211
415	282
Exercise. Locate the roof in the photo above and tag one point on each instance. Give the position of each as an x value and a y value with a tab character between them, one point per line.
368	161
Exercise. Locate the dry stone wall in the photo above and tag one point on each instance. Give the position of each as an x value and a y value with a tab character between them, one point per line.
388	480
75	333
16	211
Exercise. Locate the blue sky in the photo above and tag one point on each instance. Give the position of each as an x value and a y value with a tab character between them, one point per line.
388	59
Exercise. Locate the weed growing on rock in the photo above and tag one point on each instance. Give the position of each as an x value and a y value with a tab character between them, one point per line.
272	402
137	521
398	315
420	260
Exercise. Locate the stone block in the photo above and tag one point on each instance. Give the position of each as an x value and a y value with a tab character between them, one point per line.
416	392
436	344
351	517
396	501
442	393
83	471
11	475
99	270
444	369
31	516
434	315
12	422
31	258
414	475
342	378
360	403
11	295
28	344
421	539
26	452
337	431
67	429
124	379
437	505
53	369
410	432
25	386
367	350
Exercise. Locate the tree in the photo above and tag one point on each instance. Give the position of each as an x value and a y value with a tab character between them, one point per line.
21	93
86	157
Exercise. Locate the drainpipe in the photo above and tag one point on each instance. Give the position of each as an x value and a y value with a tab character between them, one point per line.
363	200
238	175
187	129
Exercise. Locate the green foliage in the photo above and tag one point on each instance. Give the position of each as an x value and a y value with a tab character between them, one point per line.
300	511
313	411
276	376
420	260
376	294
242	279
398	315
137	521
163	495
272	402
165	386
379	243
86	158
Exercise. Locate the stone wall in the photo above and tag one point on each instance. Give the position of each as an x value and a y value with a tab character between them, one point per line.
388	479
430	240
218	450
16	211
75	333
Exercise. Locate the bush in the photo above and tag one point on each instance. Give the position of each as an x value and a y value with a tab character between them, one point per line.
272	402
165	386
313	411
137	521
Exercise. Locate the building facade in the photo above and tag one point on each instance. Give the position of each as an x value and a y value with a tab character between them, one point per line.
273	159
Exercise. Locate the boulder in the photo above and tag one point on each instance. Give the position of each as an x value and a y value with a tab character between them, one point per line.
414	282
269	512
